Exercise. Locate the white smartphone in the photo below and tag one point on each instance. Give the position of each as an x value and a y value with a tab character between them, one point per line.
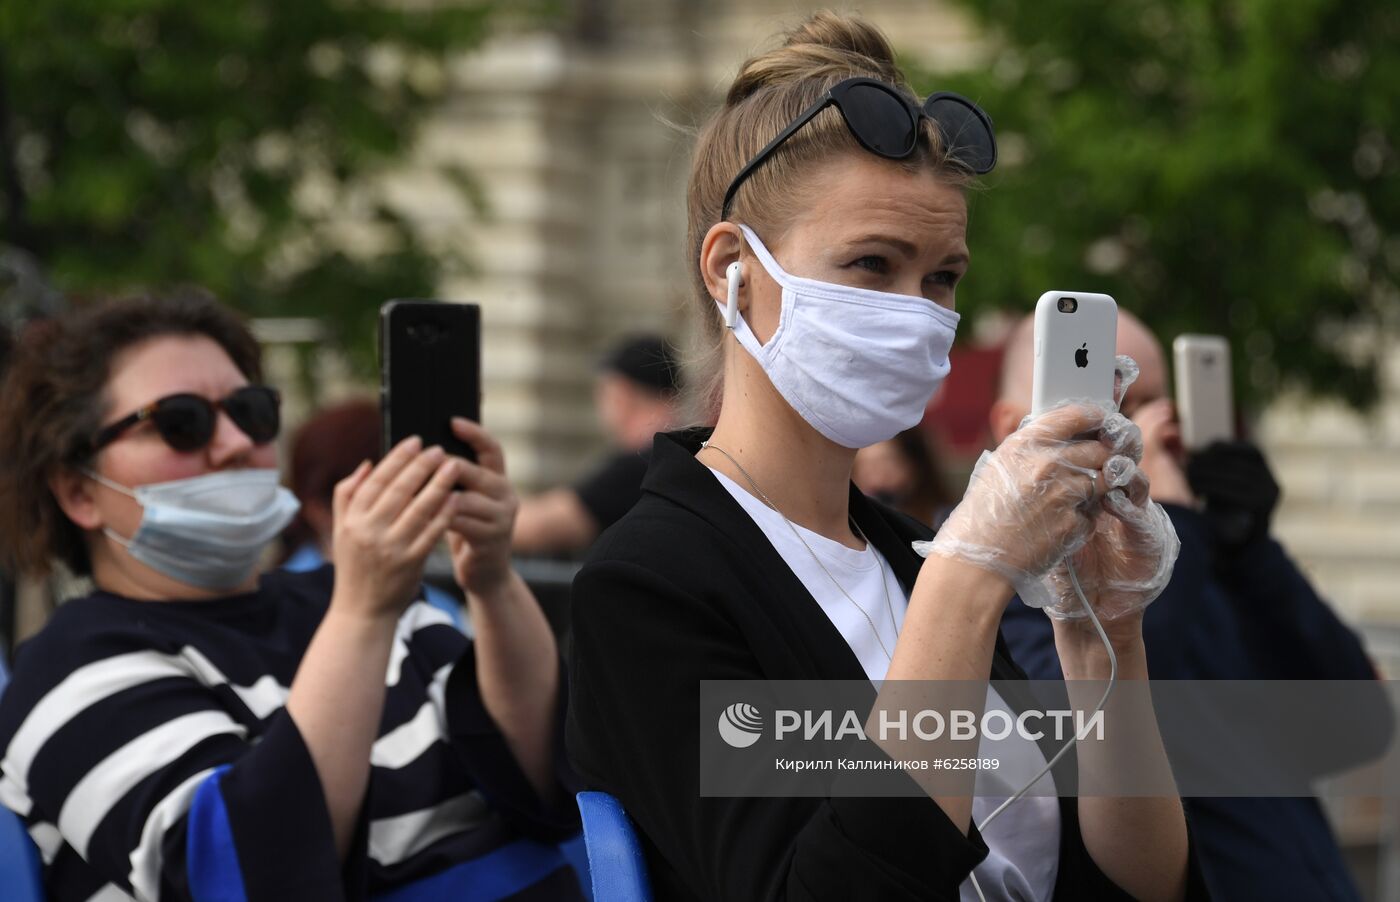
1205	402
1076	341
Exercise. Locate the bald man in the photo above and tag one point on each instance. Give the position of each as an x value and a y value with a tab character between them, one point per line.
1236	608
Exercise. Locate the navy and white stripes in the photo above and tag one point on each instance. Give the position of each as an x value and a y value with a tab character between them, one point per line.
146	746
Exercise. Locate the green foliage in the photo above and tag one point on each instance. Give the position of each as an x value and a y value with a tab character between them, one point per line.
160	142
1223	166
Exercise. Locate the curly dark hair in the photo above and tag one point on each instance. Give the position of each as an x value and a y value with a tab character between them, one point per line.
53	399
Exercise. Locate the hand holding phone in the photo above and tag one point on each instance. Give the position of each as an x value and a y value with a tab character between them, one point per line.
479	536
1131	547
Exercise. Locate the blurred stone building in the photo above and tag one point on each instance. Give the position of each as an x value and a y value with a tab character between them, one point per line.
1340	515
579	134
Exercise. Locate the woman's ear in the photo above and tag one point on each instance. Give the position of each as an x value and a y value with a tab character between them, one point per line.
721	247
73	492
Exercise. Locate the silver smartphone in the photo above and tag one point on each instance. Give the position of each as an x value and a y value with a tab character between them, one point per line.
1205	402
1076	340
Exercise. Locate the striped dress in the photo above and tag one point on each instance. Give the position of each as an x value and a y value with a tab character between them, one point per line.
147	748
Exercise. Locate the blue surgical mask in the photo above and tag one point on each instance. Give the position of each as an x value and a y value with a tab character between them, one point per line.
207	531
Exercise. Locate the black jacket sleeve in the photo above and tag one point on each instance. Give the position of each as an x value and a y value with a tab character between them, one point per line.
640	647
1290	631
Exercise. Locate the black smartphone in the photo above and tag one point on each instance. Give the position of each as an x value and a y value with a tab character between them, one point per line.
429	371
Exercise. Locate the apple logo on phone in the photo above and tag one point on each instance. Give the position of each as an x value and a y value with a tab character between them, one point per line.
1081	356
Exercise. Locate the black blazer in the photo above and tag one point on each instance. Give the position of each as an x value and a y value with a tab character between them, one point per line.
687	587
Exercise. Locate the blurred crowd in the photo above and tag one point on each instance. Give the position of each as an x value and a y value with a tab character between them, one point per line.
1237	608
322	666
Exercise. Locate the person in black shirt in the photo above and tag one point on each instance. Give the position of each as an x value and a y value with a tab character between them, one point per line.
635	397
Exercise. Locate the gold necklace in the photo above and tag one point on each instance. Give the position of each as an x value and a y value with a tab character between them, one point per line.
884	584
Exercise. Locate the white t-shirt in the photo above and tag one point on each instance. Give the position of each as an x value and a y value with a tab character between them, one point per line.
1024	840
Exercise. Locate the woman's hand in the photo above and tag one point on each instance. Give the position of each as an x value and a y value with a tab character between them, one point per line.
517	660
387	519
1128	558
483	515
1032	500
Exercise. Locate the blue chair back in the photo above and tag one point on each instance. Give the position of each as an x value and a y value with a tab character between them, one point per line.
21	871
615	861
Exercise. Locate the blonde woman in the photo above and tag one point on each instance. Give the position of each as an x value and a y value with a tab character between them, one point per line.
827	229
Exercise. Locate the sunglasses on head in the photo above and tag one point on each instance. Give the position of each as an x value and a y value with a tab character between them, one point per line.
187	421
885	122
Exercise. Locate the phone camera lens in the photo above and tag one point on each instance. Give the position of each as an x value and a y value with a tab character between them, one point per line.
426	332
1068	305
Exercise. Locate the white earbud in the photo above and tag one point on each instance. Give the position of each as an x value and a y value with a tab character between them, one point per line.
734	278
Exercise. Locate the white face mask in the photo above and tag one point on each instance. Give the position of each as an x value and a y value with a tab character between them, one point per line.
207	531
858	365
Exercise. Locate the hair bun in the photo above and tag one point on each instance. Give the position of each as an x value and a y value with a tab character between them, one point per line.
826	42
837	32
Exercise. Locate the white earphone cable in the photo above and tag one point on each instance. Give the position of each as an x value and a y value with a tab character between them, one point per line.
1112	680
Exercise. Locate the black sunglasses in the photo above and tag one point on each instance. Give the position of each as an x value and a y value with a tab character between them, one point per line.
885	122
186	421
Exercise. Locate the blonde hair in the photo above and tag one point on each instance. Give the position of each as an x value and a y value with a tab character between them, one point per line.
770	91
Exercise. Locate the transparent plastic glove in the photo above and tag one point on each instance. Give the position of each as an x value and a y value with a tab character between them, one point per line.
1033	500
1127	560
